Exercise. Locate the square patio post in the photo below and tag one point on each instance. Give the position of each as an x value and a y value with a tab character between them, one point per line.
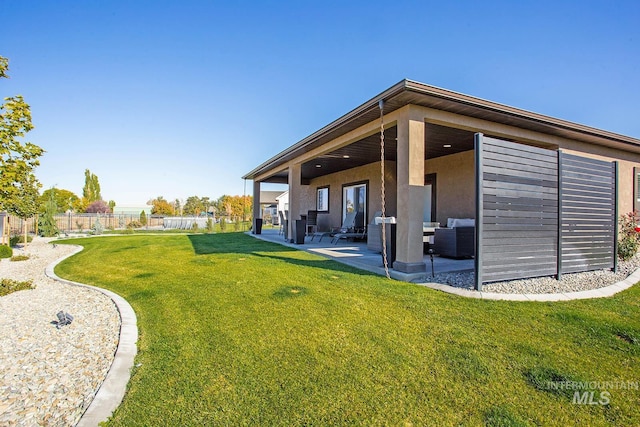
410	190
295	193
257	212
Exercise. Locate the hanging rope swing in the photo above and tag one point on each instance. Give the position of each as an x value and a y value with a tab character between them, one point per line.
382	195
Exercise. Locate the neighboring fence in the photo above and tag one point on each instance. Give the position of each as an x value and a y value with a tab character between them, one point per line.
77	222
542	212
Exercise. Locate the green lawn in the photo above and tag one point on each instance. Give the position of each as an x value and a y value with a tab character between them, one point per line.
236	331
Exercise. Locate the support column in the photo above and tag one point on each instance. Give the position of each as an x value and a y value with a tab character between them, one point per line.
295	193
256	212
410	189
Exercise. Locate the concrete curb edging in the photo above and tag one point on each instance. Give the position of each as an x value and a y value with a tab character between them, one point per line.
606	291
112	390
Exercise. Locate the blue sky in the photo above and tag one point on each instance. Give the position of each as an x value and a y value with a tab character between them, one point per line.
176	99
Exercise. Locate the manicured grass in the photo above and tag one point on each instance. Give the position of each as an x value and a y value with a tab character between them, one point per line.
236	331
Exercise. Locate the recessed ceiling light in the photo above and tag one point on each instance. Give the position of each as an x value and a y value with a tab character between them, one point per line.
346	156
447	145
318	166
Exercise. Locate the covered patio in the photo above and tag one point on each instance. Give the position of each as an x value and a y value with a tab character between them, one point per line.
543	194
356	254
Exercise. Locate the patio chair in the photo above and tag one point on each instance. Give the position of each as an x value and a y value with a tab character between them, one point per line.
457	240
347	224
357	230
312	222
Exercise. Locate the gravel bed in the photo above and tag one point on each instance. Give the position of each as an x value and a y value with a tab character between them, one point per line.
49	376
545	285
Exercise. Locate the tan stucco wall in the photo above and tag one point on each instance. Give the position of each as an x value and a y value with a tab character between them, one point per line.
455	185
335	181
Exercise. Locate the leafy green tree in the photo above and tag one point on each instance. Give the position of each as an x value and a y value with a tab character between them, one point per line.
112	204
18	184
91	189
159	206
47	223
193	206
143	218
177	207
65	200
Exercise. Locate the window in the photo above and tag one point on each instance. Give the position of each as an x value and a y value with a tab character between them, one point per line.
322	199
354	199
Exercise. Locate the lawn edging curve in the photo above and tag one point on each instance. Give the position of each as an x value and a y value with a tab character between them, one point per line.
606	291
113	388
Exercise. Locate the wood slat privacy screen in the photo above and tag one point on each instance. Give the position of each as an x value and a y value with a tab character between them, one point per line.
587	214
518	212
533	204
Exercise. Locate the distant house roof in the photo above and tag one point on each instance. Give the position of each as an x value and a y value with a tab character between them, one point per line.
269	197
132	209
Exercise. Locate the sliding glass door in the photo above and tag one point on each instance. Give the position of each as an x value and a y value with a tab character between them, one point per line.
354	199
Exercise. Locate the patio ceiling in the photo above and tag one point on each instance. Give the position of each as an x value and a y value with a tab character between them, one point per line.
439	141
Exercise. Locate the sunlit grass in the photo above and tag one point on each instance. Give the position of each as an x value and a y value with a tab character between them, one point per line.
237	331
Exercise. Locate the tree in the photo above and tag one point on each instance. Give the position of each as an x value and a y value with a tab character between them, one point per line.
18	184
236	207
143	218
112	204
91	189
159	206
47	223
193	206
99	206
65	200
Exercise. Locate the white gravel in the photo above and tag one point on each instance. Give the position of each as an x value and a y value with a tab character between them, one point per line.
545	285
49	376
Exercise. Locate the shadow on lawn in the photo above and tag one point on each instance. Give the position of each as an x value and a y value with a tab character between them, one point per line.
239	243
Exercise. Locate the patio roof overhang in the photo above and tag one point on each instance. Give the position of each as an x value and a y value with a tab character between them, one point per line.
408	92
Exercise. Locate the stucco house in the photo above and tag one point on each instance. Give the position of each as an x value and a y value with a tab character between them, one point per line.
544	193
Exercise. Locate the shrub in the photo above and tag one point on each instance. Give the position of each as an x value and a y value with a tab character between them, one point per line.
194	227
19	239
143	218
628	236
134	224
223	224
209	225
19	257
236	225
97	228
5	251
8	286
79	224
